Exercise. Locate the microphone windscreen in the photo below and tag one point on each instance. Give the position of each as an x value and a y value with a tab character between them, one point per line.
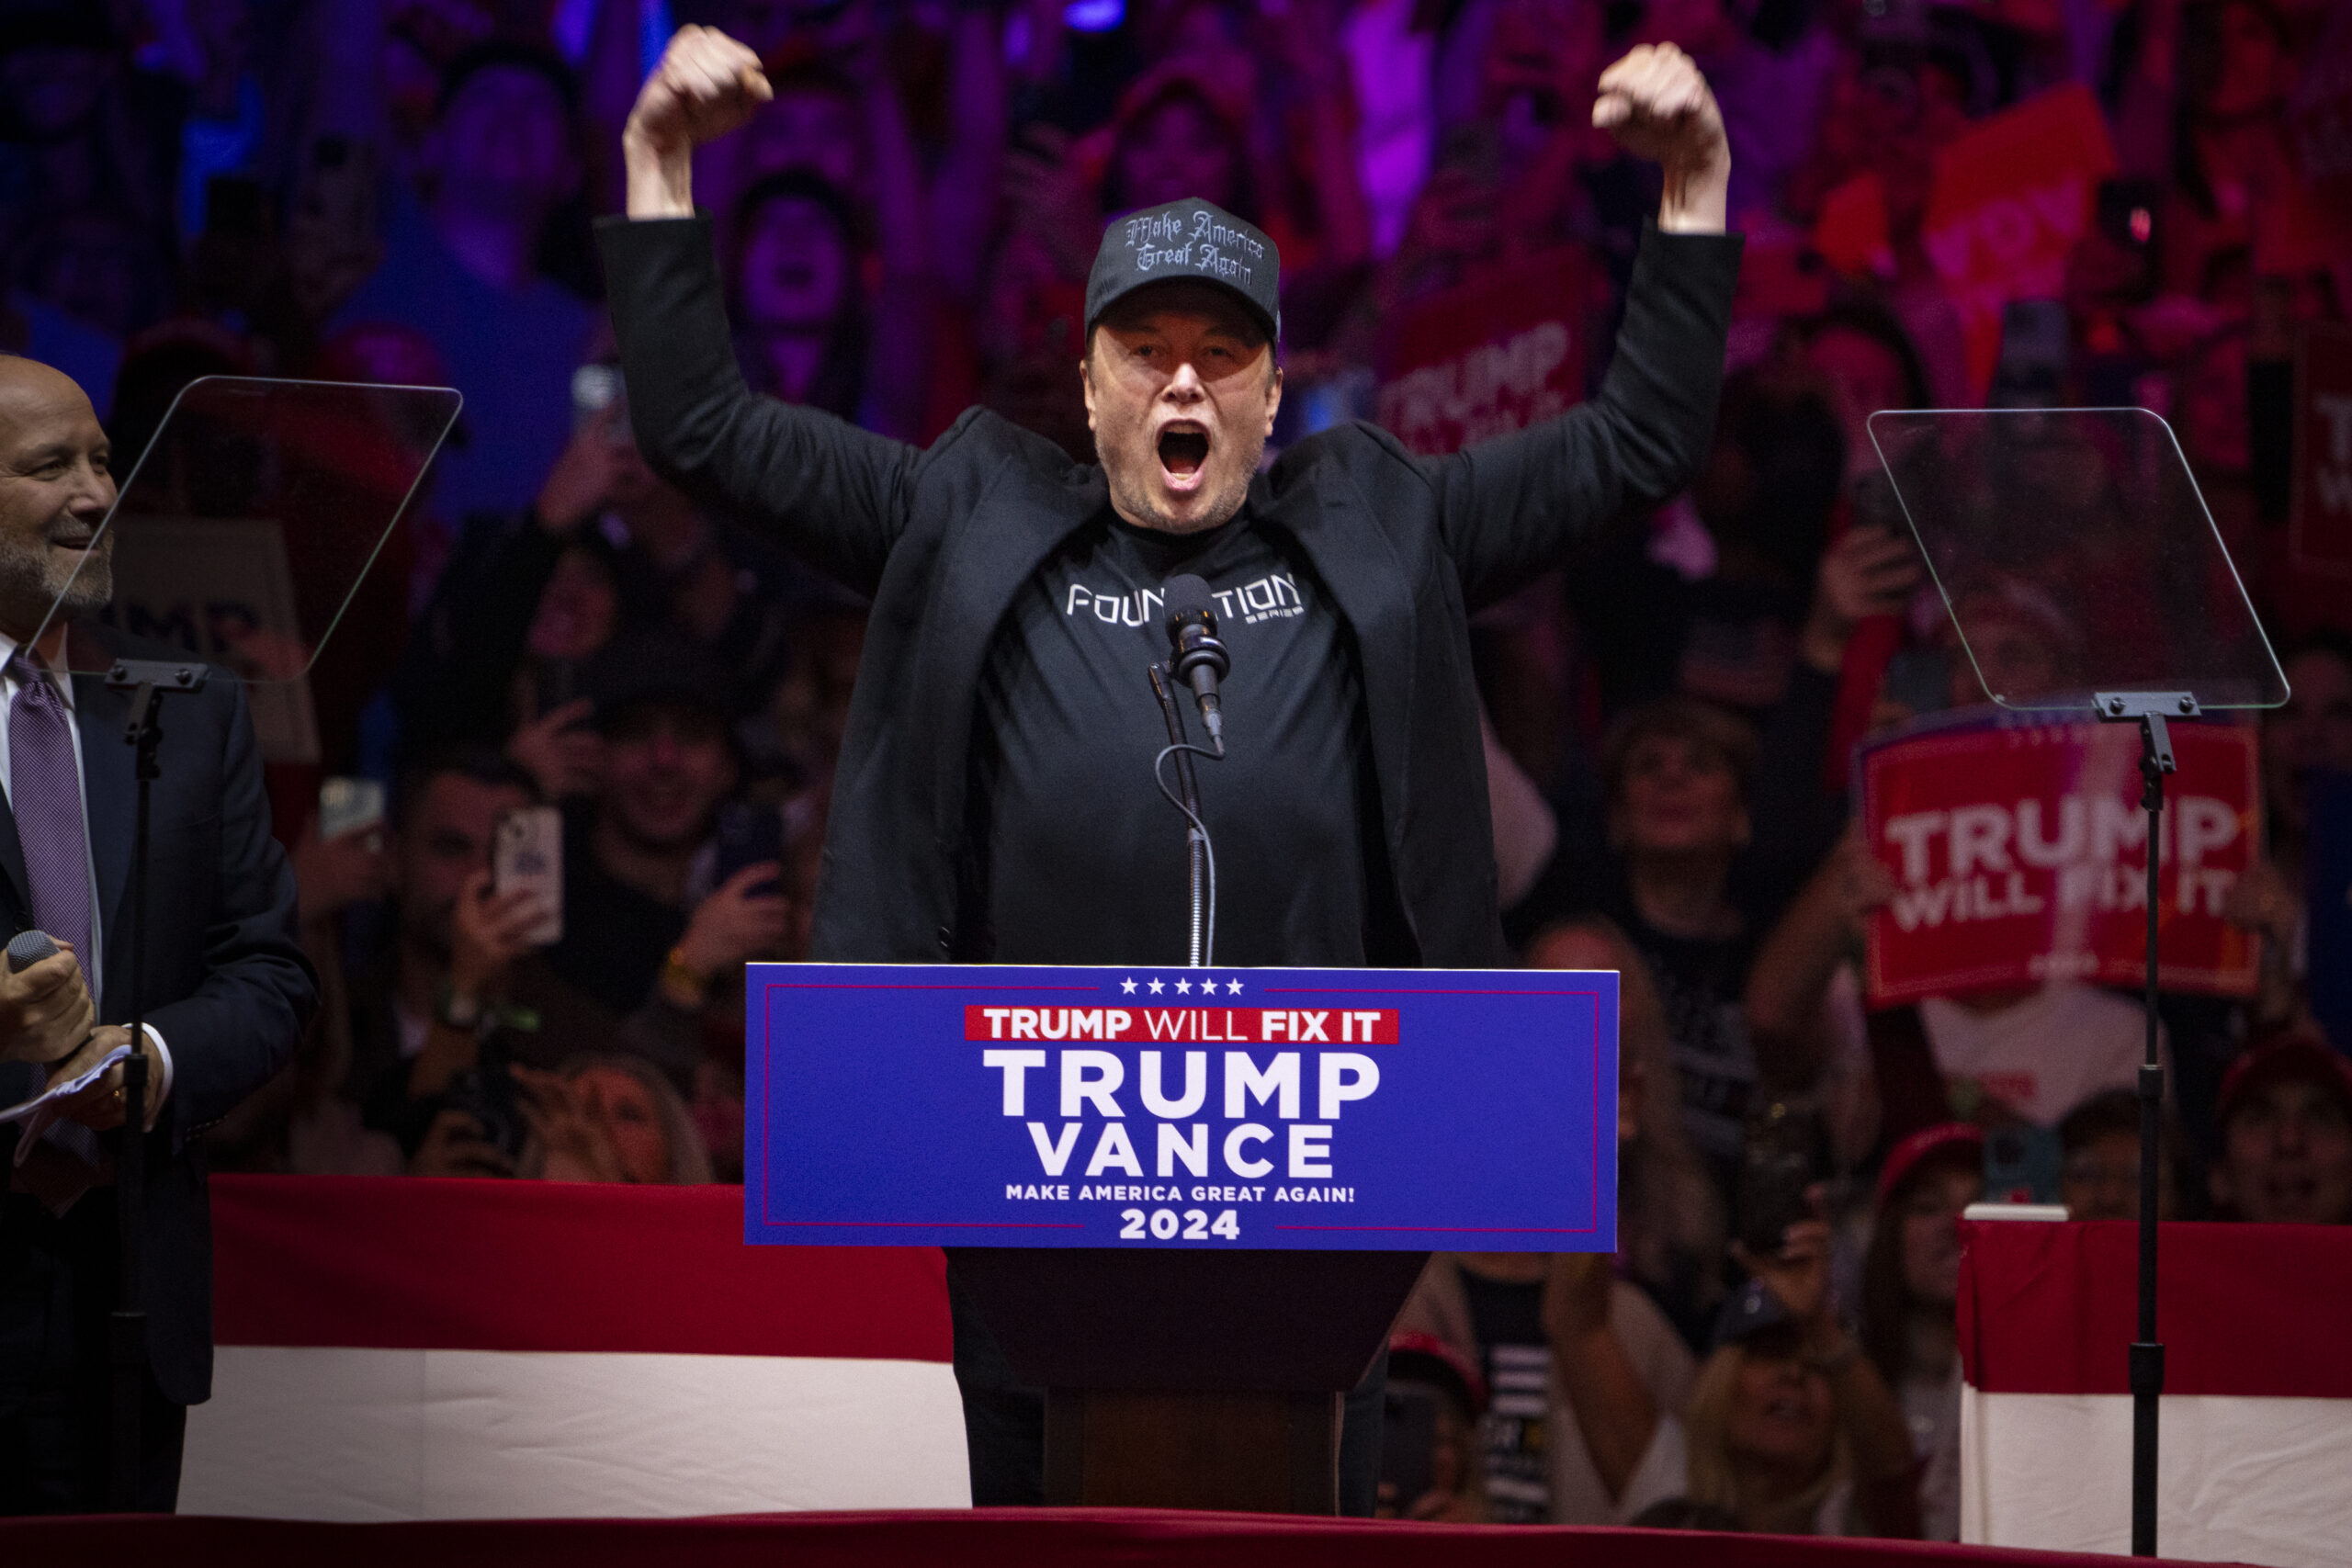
1187	597
28	948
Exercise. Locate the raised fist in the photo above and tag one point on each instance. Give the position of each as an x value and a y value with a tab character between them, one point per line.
706	86
1657	105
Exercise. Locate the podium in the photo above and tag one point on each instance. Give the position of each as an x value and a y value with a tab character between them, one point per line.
1179	1380
1187	1203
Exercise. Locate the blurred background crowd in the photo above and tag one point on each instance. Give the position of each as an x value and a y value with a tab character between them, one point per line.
401	190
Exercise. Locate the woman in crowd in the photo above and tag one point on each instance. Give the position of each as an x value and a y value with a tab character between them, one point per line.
609	1118
1910	1284
1789	1427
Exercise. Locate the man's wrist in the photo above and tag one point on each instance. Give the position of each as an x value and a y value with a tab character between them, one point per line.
1697	199
660	182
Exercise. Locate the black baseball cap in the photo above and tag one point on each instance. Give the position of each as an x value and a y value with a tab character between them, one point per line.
1188	241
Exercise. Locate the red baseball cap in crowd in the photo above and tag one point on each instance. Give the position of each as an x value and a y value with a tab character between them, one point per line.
1425	1357
1905	1157
2301	1054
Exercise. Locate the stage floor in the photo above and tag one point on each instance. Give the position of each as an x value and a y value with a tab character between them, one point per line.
984	1539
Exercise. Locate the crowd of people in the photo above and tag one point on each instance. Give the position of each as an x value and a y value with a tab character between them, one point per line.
402	190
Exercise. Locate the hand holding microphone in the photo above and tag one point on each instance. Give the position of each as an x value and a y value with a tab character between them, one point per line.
45	1008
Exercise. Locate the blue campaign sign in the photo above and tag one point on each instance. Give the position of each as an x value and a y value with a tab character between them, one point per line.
1338	1108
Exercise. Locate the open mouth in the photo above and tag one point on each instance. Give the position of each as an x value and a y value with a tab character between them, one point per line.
1183	452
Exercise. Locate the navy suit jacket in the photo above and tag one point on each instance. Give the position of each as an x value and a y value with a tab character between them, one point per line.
226	983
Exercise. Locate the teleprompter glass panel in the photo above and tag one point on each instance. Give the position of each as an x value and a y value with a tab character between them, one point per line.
2077	555
243	536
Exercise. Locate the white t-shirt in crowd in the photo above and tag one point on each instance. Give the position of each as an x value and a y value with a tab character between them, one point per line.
1665	1472
2044	1055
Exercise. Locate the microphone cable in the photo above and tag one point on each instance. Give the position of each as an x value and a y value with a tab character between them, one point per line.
1205	939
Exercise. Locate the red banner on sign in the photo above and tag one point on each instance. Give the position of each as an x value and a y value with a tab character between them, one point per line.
1186	1025
1490	357
2009	199
2020	855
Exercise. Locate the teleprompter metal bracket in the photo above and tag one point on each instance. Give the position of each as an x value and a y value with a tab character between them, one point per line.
2149	710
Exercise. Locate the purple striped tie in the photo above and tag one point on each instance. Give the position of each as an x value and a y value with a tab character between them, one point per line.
45	796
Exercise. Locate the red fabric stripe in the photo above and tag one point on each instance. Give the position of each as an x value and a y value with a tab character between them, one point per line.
995	1537
2248	1310
394	1263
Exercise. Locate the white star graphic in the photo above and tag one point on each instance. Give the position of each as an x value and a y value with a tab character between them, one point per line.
1128	987
1233	988
1155	987
1183	987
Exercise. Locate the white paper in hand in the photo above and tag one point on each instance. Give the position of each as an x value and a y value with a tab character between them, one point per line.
37	1111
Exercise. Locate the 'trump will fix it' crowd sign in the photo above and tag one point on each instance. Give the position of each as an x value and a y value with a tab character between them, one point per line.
2019	854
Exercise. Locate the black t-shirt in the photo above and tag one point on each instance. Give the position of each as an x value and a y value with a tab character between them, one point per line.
615	937
1507	1317
1079	860
1702	984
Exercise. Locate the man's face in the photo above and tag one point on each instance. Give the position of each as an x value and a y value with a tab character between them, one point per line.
2286	1155
444	837
2100	1181
1679	799
1178	148
507	132
666	769
796	267
1181	393
55	489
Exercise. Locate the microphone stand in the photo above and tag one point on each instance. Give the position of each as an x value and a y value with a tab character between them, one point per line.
1196	845
149	682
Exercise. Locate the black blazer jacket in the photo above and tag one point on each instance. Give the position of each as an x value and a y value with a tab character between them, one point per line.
226	984
942	538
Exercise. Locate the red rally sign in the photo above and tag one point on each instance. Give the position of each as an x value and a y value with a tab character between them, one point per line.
1490	356
1186	1025
2019	854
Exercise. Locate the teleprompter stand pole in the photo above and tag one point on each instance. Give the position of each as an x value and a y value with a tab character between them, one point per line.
2150	710
149	682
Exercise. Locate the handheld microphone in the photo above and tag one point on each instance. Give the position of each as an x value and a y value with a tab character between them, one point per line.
1195	656
28	948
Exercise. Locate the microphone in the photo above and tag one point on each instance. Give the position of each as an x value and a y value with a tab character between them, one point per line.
1195	656
28	948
